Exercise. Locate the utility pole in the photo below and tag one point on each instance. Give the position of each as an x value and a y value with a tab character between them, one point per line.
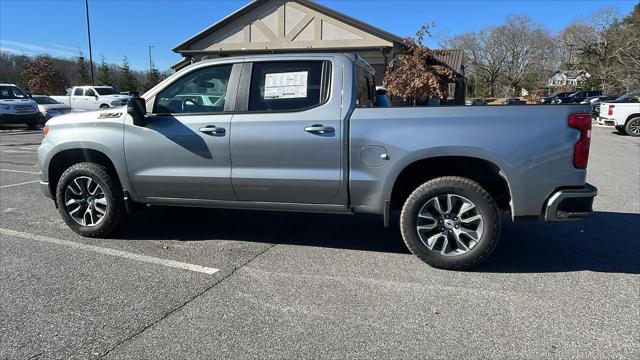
86	8
150	62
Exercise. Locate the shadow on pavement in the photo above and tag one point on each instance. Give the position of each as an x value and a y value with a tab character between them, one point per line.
353	232
604	242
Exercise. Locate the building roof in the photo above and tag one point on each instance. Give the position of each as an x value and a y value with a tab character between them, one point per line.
452	58
308	3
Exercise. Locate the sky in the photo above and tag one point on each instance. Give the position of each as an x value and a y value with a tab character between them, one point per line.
121	27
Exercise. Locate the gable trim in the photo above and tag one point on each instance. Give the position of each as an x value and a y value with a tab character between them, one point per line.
183	47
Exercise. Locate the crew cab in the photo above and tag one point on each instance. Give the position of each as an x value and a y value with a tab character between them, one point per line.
300	132
17	107
623	113
85	98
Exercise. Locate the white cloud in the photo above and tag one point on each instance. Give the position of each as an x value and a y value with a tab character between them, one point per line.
36	49
10	50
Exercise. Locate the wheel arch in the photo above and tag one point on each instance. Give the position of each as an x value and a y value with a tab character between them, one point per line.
488	174
66	158
631	117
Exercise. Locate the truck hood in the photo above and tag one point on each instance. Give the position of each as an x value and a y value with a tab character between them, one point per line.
18	102
53	106
114	114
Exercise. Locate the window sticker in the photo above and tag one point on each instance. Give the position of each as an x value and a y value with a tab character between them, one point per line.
289	85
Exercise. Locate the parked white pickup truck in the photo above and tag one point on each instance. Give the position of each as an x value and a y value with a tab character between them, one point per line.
623	113
92	98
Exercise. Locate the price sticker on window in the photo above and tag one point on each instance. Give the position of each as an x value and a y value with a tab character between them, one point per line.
289	85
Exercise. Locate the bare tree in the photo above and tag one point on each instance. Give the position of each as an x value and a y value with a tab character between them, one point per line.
524	45
594	44
484	54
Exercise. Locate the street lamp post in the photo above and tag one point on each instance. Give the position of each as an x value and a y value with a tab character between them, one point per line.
86	7
150	62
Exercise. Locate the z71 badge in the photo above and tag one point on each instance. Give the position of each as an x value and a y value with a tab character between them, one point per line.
109	115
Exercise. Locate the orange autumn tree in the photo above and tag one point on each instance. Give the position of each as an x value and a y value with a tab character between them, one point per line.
416	74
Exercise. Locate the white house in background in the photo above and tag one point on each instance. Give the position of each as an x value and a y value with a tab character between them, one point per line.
568	78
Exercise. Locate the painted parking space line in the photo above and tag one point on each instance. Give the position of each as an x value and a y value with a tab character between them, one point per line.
111	252
21	171
22	183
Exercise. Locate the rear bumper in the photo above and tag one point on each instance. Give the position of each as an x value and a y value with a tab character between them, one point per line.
570	204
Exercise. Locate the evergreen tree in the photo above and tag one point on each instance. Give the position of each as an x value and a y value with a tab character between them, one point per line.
153	78
127	81
104	74
83	71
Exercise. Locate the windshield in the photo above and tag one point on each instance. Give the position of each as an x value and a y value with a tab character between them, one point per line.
628	97
107	91
12	92
42	100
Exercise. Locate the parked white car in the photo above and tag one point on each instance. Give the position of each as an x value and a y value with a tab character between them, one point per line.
85	98
623	113
50	107
16	107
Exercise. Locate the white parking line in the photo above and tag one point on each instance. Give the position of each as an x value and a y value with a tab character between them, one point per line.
111	252
24	183
21	171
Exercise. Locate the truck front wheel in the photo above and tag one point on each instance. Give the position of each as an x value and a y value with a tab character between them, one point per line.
90	200
451	223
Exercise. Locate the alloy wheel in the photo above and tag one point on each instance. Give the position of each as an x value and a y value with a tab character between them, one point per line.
634	127
85	201
450	224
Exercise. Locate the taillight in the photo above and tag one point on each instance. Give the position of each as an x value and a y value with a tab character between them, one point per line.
611	109
581	122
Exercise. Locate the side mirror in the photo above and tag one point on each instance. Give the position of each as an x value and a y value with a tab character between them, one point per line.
137	109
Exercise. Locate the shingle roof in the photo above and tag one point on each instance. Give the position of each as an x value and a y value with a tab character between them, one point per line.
451	57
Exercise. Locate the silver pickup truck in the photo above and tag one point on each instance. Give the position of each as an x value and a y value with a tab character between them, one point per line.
303	133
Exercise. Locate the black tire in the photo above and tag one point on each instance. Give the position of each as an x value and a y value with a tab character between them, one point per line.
632	127
115	210
104	106
485	206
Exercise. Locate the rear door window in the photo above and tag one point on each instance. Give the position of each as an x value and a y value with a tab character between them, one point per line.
77	92
288	86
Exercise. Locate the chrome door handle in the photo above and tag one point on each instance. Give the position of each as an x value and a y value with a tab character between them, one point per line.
213	130
319	129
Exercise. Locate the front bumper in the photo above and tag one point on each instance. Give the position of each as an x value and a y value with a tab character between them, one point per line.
570	204
44	186
27	119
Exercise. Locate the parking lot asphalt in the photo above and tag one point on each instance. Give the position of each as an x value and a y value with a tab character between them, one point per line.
314	285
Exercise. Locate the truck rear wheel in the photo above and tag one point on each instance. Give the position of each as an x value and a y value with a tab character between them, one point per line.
451	223
632	127
90	200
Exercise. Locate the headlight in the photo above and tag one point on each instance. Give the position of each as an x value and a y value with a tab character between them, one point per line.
5	107
52	113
